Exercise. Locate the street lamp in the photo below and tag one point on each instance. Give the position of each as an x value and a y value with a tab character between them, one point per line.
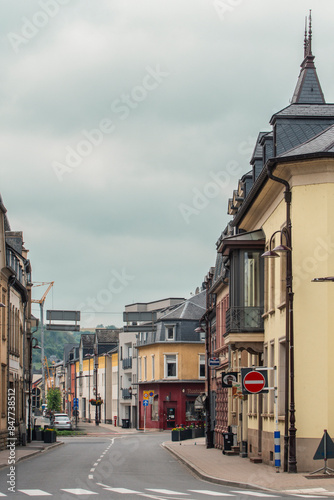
89	356
209	432
32	345
290	461
96	363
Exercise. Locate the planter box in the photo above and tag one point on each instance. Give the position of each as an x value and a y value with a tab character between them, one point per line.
198	432
188	434
175	435
50	436
38	435
183	435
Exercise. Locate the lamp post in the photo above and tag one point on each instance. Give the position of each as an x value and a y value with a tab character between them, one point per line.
32	345
89	356
96	363
290	461
209	432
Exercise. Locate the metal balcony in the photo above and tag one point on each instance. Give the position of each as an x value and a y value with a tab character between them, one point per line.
244	319
127	363
126	394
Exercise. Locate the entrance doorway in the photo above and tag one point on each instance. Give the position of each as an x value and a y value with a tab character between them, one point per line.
170	417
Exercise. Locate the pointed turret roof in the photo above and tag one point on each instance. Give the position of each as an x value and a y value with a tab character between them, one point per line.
308	89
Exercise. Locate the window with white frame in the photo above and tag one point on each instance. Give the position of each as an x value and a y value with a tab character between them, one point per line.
153	367
202	366
170	365
170	332
139	368
145	367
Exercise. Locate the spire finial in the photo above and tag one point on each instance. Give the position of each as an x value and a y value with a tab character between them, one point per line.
305	38
310	34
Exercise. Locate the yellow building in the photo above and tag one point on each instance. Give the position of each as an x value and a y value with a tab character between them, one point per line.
277	313
171	367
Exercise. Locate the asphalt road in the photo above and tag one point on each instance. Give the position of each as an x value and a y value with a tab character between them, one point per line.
120	467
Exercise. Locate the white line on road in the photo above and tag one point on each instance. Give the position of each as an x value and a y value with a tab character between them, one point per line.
212	493
166	492
79	491
35	493
254	493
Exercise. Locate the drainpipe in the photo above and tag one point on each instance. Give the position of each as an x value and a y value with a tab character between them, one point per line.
290	462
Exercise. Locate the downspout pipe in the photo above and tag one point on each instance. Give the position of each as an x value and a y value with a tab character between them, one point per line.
290	462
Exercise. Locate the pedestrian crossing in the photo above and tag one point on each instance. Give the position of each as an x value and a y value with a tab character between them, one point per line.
170	494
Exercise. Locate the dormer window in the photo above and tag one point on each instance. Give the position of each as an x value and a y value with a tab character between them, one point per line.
170	332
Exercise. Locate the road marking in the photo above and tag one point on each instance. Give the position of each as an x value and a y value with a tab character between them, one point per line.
90	476
306	490
2	495
310	496
92	470
35	493
166	492
96	464
254	493
79	491
212	493
121	490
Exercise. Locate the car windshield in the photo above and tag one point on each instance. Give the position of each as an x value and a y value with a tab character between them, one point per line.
62	417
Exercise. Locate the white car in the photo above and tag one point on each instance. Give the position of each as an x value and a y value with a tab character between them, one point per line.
61	421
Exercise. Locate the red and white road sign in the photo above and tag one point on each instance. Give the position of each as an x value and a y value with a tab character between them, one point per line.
254	382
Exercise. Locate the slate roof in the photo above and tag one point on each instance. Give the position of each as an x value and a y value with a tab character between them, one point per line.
107	336
4	211
305	111
258	150
308	88
87	339
323	142
67	349
292	133
191	309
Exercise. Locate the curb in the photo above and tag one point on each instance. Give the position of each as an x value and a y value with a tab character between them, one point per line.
34	453
216	480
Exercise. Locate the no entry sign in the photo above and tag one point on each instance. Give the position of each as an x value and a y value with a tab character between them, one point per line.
254	381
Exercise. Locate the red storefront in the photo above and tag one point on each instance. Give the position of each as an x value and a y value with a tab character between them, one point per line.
173	404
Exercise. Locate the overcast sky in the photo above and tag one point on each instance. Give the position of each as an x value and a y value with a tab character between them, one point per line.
125	126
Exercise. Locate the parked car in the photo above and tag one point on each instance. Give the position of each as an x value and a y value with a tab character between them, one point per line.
61	421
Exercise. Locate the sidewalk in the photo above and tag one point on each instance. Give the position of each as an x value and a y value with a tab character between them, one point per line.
22	452
212	465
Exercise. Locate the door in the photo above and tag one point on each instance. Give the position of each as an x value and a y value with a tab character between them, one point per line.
170	417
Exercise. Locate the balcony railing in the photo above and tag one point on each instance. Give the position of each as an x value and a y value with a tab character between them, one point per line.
244	319
126	394
127	363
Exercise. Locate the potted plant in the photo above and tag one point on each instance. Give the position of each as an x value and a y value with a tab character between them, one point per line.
96	402
50	435
37	433
176	433
188	432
